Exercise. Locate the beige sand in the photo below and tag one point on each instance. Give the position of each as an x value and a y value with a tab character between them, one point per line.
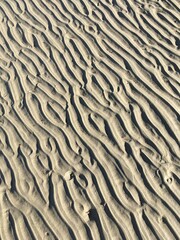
89	119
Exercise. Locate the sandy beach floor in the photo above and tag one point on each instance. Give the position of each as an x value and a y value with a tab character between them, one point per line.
89	119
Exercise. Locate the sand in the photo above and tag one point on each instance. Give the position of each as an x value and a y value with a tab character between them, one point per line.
89	119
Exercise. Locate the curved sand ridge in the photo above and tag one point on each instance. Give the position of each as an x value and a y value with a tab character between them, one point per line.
89	111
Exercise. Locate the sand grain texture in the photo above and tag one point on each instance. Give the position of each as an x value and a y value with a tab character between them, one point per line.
89	119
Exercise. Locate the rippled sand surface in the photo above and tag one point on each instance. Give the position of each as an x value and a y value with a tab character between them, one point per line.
89	119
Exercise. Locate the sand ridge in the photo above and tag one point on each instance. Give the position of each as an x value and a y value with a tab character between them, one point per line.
89	119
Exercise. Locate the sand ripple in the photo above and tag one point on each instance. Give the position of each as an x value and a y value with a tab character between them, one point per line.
89	119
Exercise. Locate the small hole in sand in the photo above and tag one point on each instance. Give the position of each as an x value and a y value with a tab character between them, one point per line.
170	69
91	29
169	180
